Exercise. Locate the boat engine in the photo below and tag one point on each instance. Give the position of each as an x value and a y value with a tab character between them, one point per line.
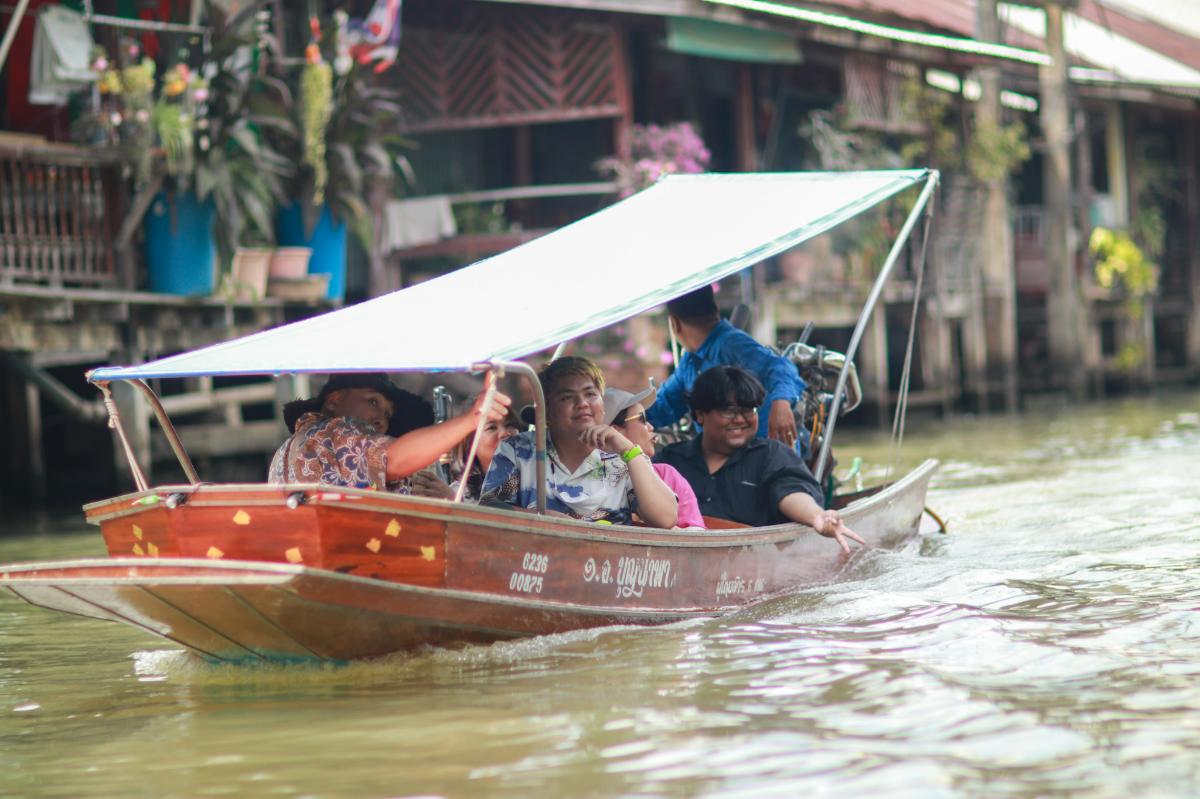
819	368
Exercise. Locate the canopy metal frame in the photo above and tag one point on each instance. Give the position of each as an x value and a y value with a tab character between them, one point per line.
501	366
864	318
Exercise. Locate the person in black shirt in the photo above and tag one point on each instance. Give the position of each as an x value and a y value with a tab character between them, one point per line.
736	476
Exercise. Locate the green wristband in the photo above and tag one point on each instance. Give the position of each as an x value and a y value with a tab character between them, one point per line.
631	453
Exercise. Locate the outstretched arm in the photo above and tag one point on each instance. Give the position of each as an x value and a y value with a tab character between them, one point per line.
800	507
419	448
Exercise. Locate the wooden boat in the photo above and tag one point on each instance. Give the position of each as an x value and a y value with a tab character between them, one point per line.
312	572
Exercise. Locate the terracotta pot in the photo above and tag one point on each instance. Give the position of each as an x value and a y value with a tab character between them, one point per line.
249	272
290	263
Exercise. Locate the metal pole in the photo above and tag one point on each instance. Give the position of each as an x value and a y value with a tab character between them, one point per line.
168	429
11	32
539	423
930	184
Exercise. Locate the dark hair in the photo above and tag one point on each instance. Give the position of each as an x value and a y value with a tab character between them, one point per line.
619	419
723	386
409	412
696	306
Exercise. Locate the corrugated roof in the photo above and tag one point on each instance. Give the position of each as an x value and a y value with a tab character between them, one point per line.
1114	58
1123	36
1176	44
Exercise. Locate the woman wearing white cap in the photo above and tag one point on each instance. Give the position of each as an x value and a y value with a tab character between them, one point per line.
627	413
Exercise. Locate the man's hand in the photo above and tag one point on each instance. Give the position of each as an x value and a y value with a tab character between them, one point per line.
781	424
829	524
607	438
499	407
427	484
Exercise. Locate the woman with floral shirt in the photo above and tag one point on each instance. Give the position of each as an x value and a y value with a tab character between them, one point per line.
362	431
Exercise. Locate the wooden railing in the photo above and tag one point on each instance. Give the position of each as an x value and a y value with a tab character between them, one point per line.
59	209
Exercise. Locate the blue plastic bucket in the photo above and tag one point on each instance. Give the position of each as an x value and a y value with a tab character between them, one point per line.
328	243
181	254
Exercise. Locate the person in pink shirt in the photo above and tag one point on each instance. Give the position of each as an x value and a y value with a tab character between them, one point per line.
627	413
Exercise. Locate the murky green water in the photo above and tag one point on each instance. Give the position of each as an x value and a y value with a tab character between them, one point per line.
1048	646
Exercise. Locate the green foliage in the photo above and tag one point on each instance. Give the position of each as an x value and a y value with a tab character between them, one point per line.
316	105
475	218
938	146
237	165
360	145
1130	357
1149	227
203	130
1124	267
174	127
1121	263
995	150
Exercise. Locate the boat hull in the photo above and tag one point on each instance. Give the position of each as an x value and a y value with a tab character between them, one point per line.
286	573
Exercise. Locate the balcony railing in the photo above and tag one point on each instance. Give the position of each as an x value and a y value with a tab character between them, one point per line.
59	206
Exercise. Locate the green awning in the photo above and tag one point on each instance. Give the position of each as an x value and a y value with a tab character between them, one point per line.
710	39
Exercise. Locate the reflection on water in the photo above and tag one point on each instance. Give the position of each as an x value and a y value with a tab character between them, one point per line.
1047	646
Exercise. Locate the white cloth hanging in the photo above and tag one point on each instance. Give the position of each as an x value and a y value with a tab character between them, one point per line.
59	65
411	223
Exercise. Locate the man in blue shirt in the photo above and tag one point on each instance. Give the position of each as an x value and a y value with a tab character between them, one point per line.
711	341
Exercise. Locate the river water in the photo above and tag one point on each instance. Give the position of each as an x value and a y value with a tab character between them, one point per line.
1048	645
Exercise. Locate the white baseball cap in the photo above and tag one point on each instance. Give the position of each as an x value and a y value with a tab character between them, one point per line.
618	399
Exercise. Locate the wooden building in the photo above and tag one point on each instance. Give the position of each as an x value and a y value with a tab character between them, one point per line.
515	100
511	103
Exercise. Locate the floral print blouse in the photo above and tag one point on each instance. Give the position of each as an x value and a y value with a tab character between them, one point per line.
334	450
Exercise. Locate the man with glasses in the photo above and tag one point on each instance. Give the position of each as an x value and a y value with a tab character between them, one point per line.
743	478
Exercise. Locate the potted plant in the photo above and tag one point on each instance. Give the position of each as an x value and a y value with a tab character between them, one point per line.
194	146
346	118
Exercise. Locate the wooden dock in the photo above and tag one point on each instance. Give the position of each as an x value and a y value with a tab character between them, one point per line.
49	338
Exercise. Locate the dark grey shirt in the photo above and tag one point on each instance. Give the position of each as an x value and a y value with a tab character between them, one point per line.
749	485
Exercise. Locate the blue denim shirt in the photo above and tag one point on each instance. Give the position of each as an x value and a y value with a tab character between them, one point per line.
726	345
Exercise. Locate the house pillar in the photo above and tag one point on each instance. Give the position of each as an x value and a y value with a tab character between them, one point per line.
37	455
1063	302
1114	156
1191	172
747	154
999	273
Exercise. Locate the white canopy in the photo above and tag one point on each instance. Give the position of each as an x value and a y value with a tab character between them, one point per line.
680	234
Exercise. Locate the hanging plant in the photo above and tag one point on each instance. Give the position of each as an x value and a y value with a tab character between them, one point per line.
316	109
